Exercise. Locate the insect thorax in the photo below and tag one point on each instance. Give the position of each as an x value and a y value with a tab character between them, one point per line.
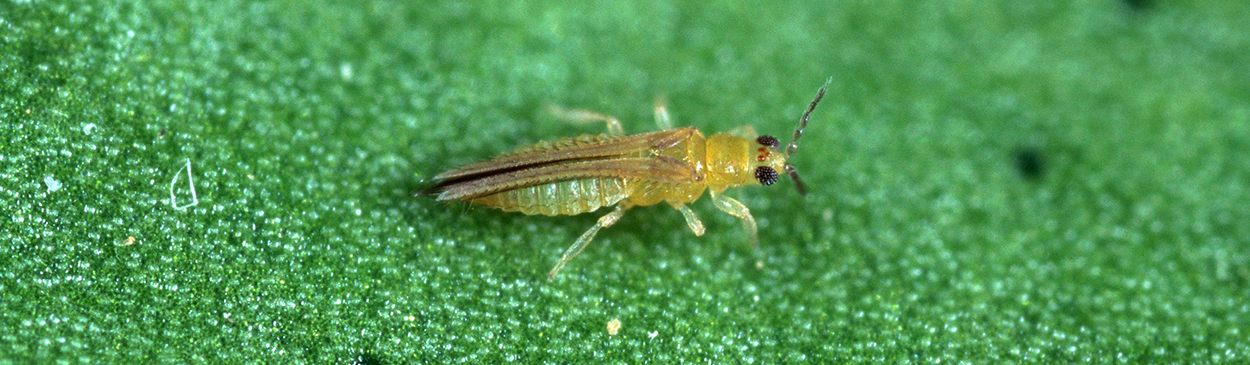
729	161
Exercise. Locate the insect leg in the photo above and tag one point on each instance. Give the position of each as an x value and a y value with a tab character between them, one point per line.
662	119
581	116
691	220
735	208
744	131
584	240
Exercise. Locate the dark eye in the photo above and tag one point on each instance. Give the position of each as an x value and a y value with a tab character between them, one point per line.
769	141
766	175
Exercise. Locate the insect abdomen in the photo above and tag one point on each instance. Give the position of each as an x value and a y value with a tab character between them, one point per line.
560	198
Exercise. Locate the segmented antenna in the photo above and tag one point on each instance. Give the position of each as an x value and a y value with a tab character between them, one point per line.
794	144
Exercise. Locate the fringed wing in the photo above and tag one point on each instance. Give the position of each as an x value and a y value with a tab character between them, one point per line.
659	168
570	149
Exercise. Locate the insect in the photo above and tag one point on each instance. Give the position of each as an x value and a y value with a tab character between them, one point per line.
582	174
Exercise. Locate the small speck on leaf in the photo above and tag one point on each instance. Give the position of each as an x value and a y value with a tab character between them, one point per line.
614	326
52	183
1029	163
1138	5
366	359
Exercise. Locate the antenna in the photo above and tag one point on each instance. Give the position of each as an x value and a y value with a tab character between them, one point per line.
794	144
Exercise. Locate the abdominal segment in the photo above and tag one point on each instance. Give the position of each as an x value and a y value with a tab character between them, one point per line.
560	198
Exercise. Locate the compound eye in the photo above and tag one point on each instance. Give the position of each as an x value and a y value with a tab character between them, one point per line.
766	175
769	141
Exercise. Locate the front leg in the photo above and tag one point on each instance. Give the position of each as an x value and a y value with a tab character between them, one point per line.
735	208
745	131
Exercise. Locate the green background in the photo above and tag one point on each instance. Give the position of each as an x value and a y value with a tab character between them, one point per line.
995	182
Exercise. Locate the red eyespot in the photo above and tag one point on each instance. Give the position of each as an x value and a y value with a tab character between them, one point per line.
766	175
763	154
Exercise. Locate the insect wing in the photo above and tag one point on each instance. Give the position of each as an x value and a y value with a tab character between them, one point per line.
659	168
570	150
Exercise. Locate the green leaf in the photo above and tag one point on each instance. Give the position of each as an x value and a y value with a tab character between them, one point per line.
1046	182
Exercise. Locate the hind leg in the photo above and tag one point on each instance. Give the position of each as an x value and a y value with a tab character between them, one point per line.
583	241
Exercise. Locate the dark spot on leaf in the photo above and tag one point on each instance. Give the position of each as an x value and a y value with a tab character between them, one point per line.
1138	5
366	359
1030	163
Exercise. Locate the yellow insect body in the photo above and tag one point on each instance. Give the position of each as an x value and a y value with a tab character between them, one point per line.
582	174
590	193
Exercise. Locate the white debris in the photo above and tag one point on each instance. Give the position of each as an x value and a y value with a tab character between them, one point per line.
345	69
173	200
53	185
